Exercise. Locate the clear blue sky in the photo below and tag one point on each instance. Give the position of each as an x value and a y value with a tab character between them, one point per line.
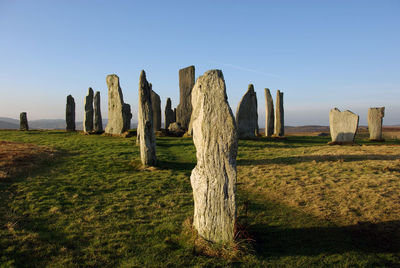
321	54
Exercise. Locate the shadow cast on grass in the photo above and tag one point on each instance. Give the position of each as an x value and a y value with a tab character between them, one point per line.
179	166
316	158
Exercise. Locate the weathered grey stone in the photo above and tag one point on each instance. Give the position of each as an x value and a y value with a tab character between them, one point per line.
343	125
375	120
147	139
279	116
174	114
98	121
116	118
23	121
214	178
156	104
184	108
269	114
169	114
126	110
175	129
247	115
88	116
70	113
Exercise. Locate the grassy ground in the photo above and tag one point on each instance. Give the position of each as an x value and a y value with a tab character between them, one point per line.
303	202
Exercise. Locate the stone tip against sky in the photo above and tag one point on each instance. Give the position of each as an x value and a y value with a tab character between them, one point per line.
322	54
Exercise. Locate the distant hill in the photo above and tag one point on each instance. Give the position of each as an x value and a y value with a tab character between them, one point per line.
10	123
306	129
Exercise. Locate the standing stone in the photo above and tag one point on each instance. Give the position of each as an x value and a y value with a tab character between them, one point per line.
247	116
126	110
375	120
214	178
88	117
184	108
343	125
23	121
156	104
174	114
279	116
70	113
116	117
145	121
98	121
169	114
269	114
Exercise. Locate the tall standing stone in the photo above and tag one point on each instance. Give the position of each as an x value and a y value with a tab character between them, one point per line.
98	121
269	114
214	178
279	116
343	125
126	110
156	105
169	114
145	121
116	117
247	115
23	121
88	116
375	120
184	108
174	114
70	113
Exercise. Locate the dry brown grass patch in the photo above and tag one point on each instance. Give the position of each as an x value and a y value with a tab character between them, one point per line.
16	158
342	184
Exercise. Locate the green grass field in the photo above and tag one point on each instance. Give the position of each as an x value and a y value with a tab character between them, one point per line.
303	204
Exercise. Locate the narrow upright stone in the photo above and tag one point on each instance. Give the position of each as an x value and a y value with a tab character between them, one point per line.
214	178
269	114
88	116
126	110
375	121
70	113
184	108
116	119
174	114
147	140
156	105
342	125
169	114
23	121
247	115
98	121
279	116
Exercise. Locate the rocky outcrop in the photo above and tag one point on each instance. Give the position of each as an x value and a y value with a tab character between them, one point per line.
184	108
375	121
116	117
168	114
269	114
343	126
98	121
214	178
156	105
70	113
147	140
279	116
247	115
23	122
88	116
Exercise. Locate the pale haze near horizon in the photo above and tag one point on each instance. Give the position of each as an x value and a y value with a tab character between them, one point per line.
322	55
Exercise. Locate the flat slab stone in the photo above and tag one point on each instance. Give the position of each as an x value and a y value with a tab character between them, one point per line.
70	113
184	108
343	125
214	178
247	115
156	105
23	122
269	114
116	118
145	134
375	122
